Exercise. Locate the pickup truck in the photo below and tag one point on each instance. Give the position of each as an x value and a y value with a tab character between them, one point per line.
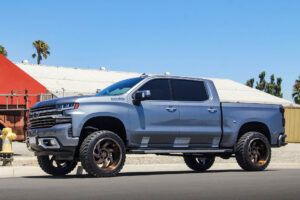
163	115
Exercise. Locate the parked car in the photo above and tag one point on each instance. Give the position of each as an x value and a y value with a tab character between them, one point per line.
152	115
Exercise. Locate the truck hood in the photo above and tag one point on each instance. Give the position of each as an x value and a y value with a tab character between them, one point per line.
78	99
58	101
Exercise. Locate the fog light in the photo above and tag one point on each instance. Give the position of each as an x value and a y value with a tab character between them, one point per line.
49	143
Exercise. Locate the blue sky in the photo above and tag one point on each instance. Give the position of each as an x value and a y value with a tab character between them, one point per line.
223	39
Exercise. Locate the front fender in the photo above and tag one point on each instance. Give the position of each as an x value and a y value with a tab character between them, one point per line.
101	114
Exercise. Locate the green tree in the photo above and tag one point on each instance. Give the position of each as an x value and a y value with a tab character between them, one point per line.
3	51
277	88
271	85
268	87
261	85
296	91
250	82
42	50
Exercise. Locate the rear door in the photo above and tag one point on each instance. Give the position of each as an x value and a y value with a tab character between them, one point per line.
158	116
200	116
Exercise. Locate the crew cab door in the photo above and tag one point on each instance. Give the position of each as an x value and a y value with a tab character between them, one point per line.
200	115
155	121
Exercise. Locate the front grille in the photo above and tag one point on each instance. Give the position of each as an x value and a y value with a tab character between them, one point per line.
45	113
46	117
42	108
42	122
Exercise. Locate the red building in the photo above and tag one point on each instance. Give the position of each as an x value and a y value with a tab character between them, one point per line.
18	92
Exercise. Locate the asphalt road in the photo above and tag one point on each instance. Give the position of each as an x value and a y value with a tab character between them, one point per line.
214	184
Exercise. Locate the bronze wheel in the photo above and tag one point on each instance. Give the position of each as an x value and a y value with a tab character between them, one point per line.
258	152
102	154
199	163
107	154
50	165
253	151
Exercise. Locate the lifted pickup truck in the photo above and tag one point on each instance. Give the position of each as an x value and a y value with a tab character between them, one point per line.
152	115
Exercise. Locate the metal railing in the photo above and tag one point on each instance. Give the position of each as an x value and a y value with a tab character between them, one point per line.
11	105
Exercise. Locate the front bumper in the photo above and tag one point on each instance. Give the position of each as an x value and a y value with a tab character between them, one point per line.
56	139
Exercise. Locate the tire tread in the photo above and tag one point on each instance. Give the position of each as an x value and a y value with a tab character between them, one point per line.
85	151
191	162
242	154
47	167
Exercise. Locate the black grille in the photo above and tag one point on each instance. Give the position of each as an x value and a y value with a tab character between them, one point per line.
42	122
42	108
46	117
45	113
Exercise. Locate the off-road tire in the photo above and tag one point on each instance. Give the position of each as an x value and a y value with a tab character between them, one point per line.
242	154
194	163
47	166
87	149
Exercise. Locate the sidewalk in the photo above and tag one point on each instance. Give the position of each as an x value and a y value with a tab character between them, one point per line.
25	163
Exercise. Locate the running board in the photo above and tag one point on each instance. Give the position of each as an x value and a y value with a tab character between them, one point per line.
144	151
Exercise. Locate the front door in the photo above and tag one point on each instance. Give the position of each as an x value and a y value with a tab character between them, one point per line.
158	117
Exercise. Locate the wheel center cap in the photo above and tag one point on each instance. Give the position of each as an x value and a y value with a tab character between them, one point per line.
104	154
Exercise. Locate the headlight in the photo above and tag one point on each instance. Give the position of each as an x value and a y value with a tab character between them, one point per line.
67	106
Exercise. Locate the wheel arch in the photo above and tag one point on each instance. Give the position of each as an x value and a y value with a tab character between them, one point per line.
110	123
254	126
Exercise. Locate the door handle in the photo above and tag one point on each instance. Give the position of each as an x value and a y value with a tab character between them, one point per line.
212	110
171	109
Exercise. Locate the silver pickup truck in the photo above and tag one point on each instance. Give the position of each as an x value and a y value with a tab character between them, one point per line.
160	115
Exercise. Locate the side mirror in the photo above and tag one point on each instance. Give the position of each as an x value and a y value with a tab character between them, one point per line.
140	96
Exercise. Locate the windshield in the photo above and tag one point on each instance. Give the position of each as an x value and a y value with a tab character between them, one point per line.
120	87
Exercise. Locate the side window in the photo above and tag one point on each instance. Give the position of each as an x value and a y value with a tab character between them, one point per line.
159	88
186	90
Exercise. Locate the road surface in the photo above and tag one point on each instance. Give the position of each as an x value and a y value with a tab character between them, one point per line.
213	184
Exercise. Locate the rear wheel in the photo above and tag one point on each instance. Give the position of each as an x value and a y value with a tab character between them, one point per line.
199	163
253	152
102	154
56	167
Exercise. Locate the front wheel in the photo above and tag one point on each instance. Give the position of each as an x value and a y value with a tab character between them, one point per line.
102	154
253	151
198	163
56	167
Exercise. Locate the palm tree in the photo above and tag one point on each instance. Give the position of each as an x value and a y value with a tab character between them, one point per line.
3	51
42	49
296	91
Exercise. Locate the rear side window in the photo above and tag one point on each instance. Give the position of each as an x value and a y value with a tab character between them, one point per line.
186	90
159	88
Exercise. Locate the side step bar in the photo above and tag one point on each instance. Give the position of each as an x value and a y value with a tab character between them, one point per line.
145	151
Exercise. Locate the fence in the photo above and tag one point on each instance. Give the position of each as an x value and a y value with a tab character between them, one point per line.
292	127
14	108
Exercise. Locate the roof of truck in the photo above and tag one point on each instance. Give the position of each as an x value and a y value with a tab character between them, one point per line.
66	81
